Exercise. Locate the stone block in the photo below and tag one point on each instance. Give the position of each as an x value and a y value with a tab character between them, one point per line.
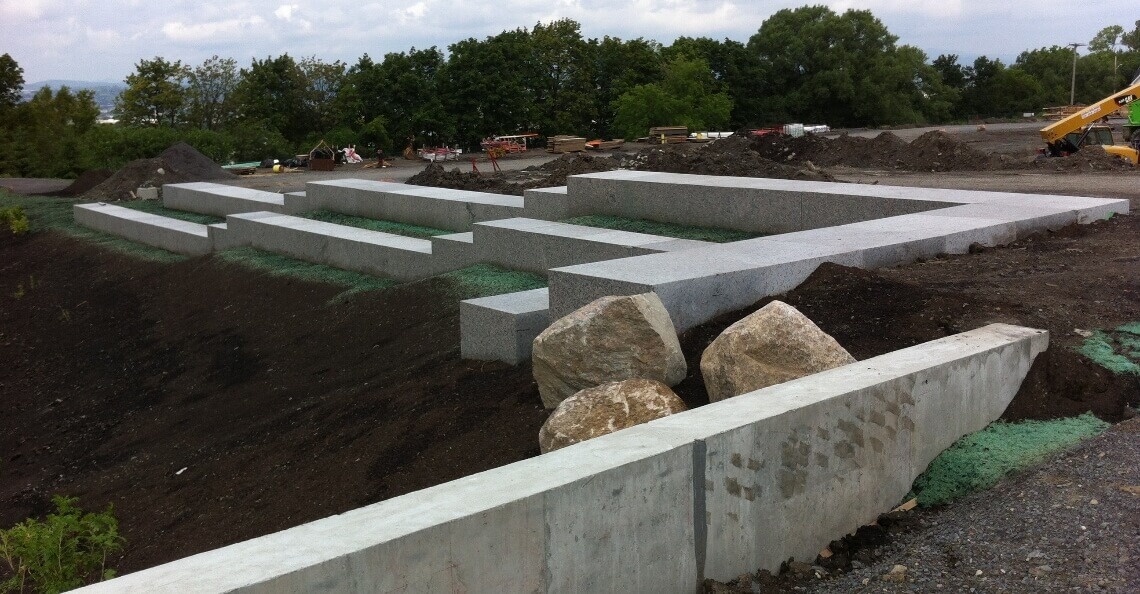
220	200
181	237
503	327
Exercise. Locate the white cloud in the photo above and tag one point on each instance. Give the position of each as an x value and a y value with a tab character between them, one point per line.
285	11
203	32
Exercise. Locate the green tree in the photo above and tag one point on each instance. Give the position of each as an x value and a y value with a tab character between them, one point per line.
155	94
42	137
1052	68
561	79
210	87
844	70
398	98
1106	39
484	86
735	69
618	67
271	95
1131	39
11	82
685	97
322	85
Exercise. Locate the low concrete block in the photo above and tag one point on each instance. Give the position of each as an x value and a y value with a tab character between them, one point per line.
220	200
442	208
503	327
360	250
536	246
453	251
178	236
548	204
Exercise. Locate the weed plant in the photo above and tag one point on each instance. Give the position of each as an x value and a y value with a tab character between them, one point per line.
65	550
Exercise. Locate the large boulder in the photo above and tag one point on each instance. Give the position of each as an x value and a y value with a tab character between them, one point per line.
775	344
611	339
607	408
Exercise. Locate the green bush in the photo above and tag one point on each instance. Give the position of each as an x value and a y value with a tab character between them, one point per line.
64	551
16	219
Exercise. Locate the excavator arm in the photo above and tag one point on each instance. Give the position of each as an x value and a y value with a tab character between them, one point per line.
1058	130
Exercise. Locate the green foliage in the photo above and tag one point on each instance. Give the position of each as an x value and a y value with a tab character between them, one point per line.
393	227
686	96
155	94
43	137
11	82
16	219
1116	350
484	280
978	461
1106	39
210	88
663	229
65	550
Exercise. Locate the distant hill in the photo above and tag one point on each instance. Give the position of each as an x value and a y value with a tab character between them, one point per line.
105	92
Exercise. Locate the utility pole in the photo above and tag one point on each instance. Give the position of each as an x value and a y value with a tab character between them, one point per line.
1073	85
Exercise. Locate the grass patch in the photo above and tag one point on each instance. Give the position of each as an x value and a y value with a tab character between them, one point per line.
374	224
710	234
978	461
484	280
49	213
278	265
1116	350
155	207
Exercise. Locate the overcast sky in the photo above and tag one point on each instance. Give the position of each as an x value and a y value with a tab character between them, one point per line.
102	40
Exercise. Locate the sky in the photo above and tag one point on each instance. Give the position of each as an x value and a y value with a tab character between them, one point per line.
103	40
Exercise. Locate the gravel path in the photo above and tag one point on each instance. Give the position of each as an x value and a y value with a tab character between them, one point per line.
1069	525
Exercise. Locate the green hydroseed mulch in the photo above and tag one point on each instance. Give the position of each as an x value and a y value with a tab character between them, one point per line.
1116	350
978	461
393	227
664	229
484	280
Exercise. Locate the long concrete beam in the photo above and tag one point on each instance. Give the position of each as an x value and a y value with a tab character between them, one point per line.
743	483
180	237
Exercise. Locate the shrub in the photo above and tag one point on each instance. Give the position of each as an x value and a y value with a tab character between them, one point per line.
65	550
16	219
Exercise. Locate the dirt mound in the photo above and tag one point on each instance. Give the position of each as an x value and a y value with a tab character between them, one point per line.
434	175
1091	158
87	180
732	156
933	151
180	163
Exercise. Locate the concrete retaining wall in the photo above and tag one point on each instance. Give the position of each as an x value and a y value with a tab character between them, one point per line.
360	250
441	208
220	200
537	246
503	327
740	484
180	237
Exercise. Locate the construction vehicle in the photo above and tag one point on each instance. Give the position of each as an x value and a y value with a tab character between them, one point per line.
1068	135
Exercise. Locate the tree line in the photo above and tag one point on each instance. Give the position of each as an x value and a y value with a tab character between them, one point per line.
808	64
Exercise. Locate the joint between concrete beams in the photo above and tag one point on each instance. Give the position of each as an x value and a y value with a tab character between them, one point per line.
700	510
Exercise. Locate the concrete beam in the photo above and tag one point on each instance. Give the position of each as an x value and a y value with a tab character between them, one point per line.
711	492
220	200
503	327
442	208
181	237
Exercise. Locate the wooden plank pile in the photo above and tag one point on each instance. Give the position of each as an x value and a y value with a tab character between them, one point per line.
566	144
668	134
605	145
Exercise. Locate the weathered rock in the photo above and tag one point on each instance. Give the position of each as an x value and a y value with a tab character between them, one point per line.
603	409
775	344
611	339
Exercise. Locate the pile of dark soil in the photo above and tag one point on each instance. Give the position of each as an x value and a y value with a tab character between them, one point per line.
180	163
933	151
729	156
1090	158
87	180
732	156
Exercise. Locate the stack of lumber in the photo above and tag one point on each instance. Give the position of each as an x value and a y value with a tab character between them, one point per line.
566	144
668	134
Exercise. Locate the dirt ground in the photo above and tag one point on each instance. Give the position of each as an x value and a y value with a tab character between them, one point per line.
211	404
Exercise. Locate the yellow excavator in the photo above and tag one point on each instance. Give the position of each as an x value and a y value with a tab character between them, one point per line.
1067	136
